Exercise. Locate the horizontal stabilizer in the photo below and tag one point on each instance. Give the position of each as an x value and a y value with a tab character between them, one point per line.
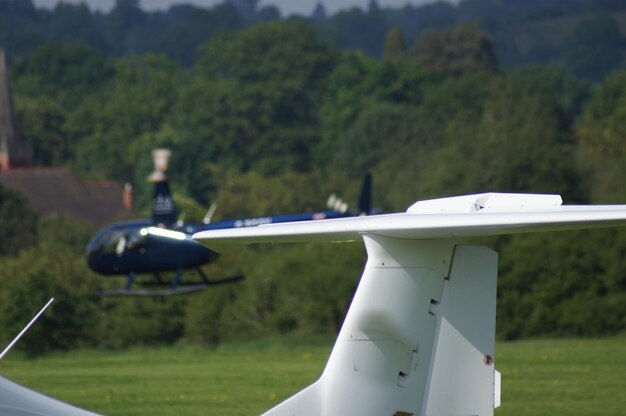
507	214
16	400
492	201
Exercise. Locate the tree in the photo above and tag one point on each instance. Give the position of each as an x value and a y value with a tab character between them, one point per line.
272	300
360	84
319	13
355	29
253	194
246	8
68	323
569	284
254	103
377	131
395	45
523	146
108	126
65	74
179	32
52	267
124	17
75	24
595	49
42	123
459	49
19	223
288	51
602	150
607	5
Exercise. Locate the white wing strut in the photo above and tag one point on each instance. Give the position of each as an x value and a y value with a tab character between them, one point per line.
32	321
16	400
419	336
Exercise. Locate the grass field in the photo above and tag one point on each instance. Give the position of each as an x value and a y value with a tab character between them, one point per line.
562	377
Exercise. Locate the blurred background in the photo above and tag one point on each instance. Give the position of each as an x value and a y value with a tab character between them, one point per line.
268	110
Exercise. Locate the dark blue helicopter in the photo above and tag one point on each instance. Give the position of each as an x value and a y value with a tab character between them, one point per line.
163	244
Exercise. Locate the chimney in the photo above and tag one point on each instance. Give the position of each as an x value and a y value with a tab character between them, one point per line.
127	197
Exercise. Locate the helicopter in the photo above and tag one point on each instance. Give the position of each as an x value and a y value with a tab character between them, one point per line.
163	244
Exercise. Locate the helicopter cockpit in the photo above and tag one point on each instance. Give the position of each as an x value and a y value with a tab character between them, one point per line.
116	240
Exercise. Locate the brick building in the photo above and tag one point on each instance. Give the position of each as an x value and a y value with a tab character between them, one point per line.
51	189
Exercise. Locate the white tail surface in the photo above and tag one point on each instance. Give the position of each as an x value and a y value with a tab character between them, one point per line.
419	336
463	374
16	400
381	361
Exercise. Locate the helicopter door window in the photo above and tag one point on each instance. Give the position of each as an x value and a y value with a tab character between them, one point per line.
136	240
114	243
121	246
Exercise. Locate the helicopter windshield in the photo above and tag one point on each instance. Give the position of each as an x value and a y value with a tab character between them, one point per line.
117	240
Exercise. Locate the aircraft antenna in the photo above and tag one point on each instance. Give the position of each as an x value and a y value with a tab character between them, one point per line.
209	214
26	328
181	219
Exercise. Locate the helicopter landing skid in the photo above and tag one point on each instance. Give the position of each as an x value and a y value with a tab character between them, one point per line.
153	292
177	287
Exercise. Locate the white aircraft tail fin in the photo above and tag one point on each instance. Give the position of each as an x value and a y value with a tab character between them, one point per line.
305	403
419	337
381	362
463	368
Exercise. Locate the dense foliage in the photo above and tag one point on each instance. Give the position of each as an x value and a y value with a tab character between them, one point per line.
270	119
587	37
18	223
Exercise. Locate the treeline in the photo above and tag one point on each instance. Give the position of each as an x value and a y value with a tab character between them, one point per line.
586	37
126	29
271	120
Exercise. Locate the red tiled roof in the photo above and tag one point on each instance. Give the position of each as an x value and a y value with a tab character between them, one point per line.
50	190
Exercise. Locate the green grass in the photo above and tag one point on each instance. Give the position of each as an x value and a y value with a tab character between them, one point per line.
563	377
